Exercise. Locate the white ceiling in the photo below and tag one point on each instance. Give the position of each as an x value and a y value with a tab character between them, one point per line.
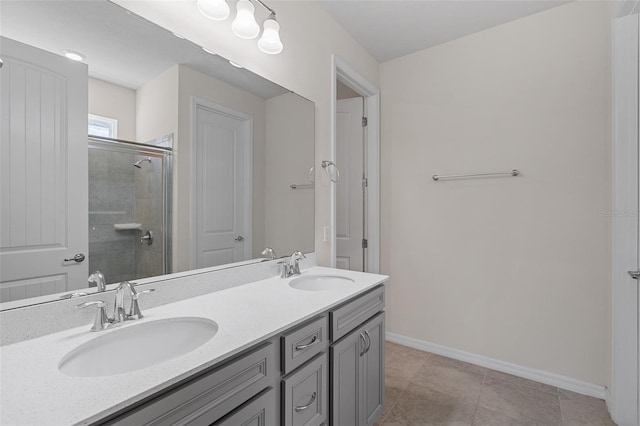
392	28
121	47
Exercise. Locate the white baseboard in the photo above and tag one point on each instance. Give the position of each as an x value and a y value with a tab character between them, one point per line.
545	377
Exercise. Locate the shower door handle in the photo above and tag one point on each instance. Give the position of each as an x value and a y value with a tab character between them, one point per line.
239	238
78	258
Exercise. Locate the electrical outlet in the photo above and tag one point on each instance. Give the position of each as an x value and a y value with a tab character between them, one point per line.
326	237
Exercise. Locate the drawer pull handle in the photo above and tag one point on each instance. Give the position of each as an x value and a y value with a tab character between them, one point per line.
304	407
313	341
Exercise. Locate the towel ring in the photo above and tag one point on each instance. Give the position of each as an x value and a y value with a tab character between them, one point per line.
333	177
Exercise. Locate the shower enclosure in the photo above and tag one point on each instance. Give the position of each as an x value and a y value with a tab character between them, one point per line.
129	209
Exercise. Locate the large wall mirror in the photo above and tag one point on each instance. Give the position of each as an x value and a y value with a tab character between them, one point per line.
148	156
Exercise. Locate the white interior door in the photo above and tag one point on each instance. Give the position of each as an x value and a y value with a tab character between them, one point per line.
222	185
349	189
636	26
43	163
625	398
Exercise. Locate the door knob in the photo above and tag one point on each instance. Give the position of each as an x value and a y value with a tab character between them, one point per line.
635	275
239	238
79	258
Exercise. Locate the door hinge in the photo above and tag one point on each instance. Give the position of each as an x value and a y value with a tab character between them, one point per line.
365	243
365	182
365	121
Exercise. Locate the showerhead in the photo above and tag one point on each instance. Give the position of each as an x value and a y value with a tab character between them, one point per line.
137	163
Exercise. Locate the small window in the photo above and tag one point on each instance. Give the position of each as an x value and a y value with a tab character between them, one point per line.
103	126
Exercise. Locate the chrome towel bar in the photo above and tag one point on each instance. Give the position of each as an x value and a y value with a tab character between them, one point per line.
301	186
513	172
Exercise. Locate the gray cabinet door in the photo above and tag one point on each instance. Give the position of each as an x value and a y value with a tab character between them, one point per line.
302	344
352	314
345	379
210	396
305	394
372	371
260	411
357	375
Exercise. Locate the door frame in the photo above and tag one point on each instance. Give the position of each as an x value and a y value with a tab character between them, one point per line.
247	122
342	71
622	397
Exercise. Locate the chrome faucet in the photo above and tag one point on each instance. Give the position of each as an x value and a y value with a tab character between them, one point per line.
294	260
291	267
269	253
120	315
98	279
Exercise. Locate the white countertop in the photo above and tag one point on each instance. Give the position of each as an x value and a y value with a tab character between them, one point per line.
34	392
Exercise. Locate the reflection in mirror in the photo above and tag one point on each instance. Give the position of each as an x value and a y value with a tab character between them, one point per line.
189	161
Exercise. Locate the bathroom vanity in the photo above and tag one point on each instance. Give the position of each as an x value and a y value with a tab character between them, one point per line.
286	352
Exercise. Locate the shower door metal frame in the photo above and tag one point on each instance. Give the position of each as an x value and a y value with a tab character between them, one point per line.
135	148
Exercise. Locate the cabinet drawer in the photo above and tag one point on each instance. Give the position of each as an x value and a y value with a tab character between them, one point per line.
305	394
353	313
260	411
302	344
211	396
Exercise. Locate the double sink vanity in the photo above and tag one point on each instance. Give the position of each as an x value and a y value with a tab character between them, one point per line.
302	350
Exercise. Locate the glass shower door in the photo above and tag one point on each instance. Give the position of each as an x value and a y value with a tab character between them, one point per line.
128	210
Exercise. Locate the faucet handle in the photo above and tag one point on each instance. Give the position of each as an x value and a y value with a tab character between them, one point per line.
293	262
101	320
72	295
135	307
285	269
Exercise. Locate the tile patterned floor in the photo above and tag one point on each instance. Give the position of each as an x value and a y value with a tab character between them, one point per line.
427	389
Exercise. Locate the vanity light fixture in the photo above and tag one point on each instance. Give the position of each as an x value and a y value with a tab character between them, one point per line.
235	64
211	52
244	24
270	41
74	56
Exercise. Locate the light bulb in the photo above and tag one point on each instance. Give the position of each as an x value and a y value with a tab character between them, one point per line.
218	10
245	25
270	41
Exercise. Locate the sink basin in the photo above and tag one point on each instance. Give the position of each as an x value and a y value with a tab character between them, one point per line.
321	282
137	346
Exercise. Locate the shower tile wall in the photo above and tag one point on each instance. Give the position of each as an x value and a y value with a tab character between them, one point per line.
148	205
122	193
111	201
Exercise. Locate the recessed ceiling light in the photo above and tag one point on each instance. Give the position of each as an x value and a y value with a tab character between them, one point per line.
74	56
235	64
209	51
